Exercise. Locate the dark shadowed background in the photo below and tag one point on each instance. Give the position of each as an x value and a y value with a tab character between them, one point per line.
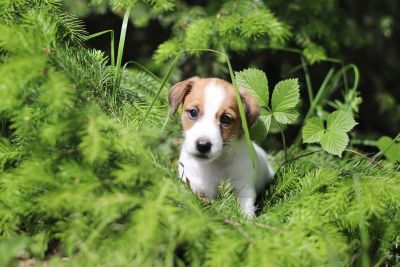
365	33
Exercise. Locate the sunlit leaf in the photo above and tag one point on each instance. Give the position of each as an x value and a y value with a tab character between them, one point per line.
313	131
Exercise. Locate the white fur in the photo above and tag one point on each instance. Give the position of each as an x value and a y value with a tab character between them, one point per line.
207	126
232	163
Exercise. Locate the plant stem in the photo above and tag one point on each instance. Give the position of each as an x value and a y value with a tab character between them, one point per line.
283	141
238	226
308	80
365	156
164	81
298	157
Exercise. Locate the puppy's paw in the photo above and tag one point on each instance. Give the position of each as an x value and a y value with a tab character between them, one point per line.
249	213
247	206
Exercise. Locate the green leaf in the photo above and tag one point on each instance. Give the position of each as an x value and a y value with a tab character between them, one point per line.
286	95
258	132
266	119
340	120
334	142
334	139
256	82
313	130
286	117
391	150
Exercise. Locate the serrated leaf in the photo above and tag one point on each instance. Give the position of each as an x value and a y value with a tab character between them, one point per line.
334	142
313	130
286	117
266	119
256	82
340	120
286	95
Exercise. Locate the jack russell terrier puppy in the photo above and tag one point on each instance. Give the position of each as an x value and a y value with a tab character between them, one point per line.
214	148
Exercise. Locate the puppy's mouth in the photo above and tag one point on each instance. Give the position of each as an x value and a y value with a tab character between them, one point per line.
206	157
202	156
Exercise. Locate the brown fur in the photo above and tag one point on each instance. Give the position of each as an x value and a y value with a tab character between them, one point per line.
194	99
178	92
191	94
229	107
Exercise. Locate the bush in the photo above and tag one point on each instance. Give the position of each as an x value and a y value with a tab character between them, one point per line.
88	179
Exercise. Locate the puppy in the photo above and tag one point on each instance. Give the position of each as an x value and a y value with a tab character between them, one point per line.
214	148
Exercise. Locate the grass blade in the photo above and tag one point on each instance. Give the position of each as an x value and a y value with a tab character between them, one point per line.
94	35
117	72
164	81
141	67
242	114
308	80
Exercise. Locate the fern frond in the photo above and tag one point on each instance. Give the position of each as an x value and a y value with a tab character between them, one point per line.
167	50
8	153
94	144
86	67
162	5
233	26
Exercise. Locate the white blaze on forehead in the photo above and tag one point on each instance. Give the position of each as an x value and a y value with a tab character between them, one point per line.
207	126
214	96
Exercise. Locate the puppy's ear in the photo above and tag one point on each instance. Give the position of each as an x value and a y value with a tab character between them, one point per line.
251	107
178	92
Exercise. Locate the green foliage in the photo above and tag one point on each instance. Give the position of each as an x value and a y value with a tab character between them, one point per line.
231	25
256	82
80	186
285	98
8	153
145	9
389	148
10	248
334	138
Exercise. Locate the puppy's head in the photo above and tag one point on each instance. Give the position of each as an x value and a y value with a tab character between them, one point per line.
210	115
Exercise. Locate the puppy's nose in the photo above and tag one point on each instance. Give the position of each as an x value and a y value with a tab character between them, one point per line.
203	145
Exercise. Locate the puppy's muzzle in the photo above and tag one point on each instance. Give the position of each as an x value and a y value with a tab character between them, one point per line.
203	146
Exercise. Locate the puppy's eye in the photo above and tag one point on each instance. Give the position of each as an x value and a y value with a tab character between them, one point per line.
193	113
225	119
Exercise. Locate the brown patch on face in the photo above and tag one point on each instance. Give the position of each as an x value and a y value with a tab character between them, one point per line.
251	107
194	100
229	108
178	92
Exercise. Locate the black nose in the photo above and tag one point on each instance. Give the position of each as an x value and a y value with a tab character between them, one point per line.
203	145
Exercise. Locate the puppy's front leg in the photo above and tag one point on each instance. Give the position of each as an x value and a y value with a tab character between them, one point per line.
247	198
203	184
